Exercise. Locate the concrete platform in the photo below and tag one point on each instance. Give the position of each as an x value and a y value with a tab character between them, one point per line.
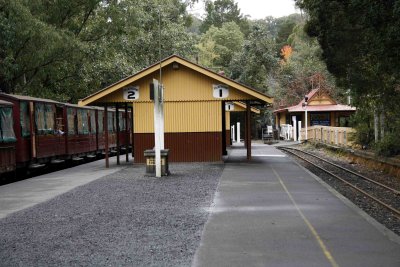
273	212
26	193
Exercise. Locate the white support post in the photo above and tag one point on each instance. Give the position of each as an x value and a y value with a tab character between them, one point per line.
238	132
299	123
294	128
306	125
233	133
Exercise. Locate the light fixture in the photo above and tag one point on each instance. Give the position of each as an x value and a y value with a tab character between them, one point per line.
175	66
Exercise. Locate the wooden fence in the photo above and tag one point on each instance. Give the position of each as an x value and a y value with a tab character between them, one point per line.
338	136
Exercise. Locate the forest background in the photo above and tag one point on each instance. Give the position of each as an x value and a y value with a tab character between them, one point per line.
68	49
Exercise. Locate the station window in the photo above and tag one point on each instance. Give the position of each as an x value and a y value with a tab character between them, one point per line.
344	121
6	125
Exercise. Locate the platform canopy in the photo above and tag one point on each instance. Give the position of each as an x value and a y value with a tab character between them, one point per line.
111	93
194	107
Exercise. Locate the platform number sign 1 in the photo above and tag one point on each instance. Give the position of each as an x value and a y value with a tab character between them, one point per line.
220	91
131	93
229	106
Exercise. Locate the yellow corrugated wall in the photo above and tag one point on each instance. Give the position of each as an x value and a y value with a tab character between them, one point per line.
180	117
183	84
228	120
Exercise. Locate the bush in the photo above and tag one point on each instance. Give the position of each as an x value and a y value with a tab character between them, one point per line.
389	146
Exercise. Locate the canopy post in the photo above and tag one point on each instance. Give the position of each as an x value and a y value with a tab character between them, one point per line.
126	133
117	128
106	134
248	130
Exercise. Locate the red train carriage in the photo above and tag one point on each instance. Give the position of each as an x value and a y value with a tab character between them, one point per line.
124	122
80	132
48	131
36	125
7	138
111	128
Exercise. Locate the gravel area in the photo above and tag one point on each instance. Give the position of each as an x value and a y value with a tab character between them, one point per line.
380	214
125	219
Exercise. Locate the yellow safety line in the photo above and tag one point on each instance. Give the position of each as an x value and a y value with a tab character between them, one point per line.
327	254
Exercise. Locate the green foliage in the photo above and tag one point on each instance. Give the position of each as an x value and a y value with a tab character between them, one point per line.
219	12
286	26
363	121
257	58
359	40
70	48
218	45
389	146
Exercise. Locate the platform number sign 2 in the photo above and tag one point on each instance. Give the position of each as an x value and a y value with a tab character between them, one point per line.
220	91
131	93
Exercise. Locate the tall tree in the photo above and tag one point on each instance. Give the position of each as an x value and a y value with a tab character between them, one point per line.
356	37
257	59
218	45
219	12
66	49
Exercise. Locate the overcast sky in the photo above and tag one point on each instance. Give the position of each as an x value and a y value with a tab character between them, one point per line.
258	9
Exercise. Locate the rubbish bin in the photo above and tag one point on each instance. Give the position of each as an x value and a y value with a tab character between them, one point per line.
150	155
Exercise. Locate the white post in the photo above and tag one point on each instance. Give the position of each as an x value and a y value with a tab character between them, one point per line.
161	114
294	128
306	125
158	126
238	132
233	133
299	122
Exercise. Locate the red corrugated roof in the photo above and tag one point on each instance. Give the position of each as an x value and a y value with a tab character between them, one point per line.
337	107
299	107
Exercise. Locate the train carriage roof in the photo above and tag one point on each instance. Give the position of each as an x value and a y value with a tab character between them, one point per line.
27	98
5	103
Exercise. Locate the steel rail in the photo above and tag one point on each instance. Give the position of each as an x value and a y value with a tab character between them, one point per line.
395	211
347	170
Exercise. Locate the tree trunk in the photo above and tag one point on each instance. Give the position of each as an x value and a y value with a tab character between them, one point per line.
376	125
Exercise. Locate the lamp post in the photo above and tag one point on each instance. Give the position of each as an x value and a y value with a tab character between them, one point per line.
305	103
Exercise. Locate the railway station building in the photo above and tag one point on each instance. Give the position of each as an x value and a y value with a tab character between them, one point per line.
321	108
196	117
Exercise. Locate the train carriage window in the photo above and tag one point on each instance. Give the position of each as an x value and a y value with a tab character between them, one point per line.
83	127
6	125
111	121
128	127
100	121
71	114
59	119
40	118
121	122
50	112
92	116
25	120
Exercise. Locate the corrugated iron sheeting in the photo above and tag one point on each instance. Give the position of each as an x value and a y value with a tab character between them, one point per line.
183	84
180	117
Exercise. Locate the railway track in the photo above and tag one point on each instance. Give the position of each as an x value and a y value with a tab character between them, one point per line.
384	195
